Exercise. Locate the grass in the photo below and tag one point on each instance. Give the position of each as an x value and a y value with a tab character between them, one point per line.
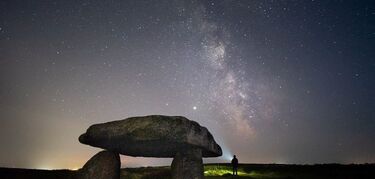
146	173
280	171
219	171
225	171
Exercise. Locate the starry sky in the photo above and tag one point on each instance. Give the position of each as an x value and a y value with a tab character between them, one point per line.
274	81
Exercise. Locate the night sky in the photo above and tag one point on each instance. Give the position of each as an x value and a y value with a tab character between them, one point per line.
274	81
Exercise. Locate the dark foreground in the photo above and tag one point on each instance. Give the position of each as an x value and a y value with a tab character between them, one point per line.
250	171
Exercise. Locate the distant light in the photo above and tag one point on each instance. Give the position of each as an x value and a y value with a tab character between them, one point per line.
227	154
44	168
194	107
75	168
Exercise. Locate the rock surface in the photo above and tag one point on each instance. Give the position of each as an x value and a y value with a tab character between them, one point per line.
103	165
152	136
188	165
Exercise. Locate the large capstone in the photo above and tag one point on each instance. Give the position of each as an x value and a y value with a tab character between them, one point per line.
152	136
103	165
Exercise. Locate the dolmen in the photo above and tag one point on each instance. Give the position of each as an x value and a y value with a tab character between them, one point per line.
158	136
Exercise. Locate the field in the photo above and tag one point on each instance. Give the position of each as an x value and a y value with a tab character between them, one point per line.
216	171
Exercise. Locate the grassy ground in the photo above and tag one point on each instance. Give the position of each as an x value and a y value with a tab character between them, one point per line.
264	171
216	171
16	173
275	171
146	173
225	171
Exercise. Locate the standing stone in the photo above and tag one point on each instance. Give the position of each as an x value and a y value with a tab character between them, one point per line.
103	165
188	165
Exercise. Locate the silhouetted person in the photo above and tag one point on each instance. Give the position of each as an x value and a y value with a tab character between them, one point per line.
234	164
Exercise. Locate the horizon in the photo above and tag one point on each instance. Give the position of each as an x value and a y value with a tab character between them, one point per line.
168	165
274	82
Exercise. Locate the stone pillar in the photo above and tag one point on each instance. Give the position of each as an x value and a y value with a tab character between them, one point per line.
103	165
188	165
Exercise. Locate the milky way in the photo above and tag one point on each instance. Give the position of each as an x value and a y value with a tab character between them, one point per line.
274	81
226	92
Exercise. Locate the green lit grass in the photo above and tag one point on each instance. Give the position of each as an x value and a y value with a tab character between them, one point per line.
220	171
